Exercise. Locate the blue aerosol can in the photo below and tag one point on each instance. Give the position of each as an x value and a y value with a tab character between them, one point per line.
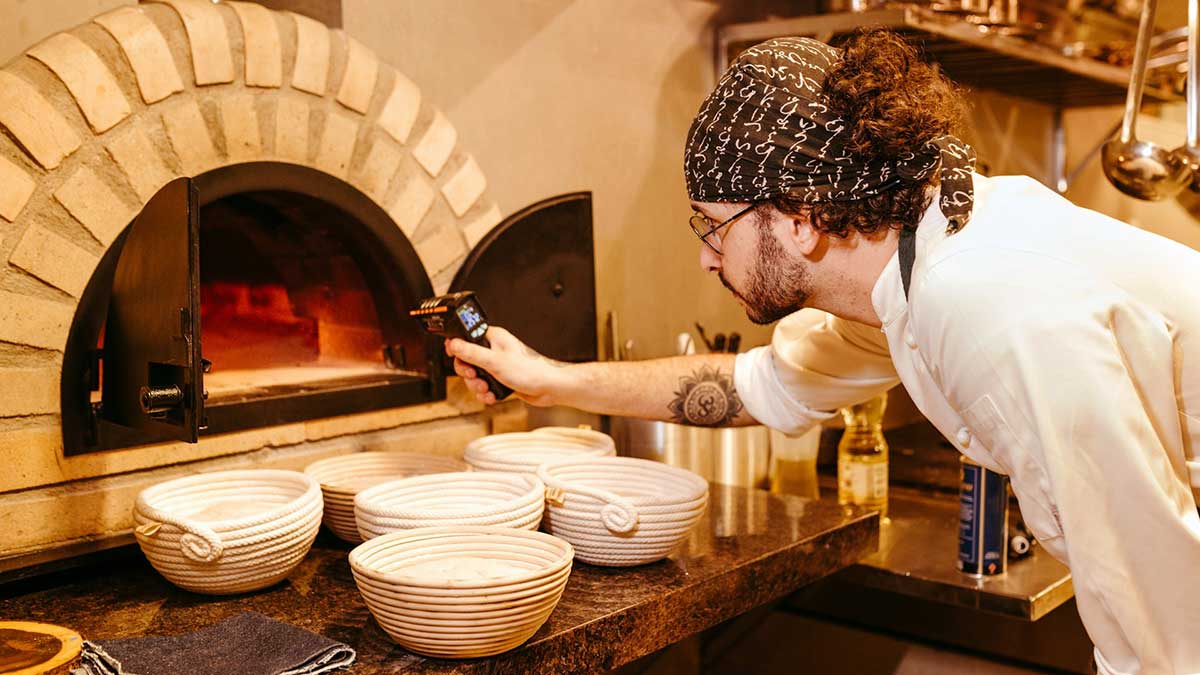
982	520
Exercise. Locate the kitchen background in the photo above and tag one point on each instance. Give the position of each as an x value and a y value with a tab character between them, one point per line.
555	96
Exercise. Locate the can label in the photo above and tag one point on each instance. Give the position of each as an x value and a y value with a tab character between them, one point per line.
982	520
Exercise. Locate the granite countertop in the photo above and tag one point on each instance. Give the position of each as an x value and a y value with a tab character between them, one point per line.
752	547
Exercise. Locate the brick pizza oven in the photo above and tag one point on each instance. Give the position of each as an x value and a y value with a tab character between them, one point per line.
272	124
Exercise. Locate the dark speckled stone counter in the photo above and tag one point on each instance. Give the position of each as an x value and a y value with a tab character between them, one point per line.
752	548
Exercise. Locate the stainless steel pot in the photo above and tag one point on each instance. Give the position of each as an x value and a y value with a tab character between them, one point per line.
733	456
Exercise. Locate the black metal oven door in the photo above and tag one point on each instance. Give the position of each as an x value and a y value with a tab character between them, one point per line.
535	275
153	373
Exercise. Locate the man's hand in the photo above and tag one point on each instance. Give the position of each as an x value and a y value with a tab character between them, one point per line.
532	377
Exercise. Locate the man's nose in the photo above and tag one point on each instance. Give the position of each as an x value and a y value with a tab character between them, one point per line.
709	260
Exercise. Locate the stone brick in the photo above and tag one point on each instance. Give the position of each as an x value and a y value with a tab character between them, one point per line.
29	391
382	163
34	123
87	77
242	139
16	187
332	427
146	48
95	205
358	82
465	187
291	130
25	451
515	418
140	160
190	137
442	249
311	73
479	226
212	59
445	437
95	509
435	146
54	259
400	109
260	34
411	204
337	144
32	457
33	321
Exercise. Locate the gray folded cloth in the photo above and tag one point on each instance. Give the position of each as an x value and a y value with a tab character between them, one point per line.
247	644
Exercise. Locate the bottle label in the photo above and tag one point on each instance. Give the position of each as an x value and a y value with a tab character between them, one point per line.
864	483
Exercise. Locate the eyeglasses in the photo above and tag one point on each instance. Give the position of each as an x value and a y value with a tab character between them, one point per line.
704	228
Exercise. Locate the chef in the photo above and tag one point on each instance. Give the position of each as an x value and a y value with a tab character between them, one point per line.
1046	341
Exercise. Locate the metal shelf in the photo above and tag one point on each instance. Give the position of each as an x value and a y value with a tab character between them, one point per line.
969	54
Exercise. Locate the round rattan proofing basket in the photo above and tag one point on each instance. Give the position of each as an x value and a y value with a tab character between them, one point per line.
461	592
523	452
621	511
229	531
343	477
449	499
582	435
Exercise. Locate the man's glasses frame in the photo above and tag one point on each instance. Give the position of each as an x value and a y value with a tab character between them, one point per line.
704	228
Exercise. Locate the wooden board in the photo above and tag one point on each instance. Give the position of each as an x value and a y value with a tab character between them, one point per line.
28	648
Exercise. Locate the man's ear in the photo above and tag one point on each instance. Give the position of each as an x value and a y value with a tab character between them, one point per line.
803	234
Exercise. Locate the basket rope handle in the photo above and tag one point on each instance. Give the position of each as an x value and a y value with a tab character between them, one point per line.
199	542
618	514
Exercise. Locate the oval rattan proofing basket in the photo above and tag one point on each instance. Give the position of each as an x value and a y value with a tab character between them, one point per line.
461	592
229	531
523	452
343	477
621	511
447	499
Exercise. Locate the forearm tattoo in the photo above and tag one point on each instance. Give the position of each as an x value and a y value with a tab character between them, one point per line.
707	398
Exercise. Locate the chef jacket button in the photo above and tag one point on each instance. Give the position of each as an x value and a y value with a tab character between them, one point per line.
910	339
963	437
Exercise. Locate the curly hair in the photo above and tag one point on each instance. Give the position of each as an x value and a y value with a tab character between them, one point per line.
893	102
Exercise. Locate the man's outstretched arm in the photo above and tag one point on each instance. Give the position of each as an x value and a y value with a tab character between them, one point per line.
697	390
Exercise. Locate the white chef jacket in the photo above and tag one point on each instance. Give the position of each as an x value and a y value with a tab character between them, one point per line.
1058	346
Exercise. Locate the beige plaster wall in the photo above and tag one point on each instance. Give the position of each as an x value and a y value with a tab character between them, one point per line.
24	23
561	95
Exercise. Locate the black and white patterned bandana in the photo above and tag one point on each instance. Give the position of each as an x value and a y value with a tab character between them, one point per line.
767	130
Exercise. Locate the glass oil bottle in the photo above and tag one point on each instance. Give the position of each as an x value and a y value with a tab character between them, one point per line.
863	456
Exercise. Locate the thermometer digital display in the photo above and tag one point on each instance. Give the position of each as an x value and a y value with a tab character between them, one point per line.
459	315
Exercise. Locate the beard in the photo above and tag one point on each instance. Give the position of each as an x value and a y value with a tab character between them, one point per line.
778	284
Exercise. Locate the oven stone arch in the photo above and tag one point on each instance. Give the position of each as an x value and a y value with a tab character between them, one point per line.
96	119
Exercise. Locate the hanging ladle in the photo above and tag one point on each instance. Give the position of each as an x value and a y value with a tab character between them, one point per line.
1142	169
1189	154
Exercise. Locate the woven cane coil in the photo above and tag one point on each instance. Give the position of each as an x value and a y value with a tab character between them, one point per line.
449	499
461	592
229	531
523	452
621	511
344	476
